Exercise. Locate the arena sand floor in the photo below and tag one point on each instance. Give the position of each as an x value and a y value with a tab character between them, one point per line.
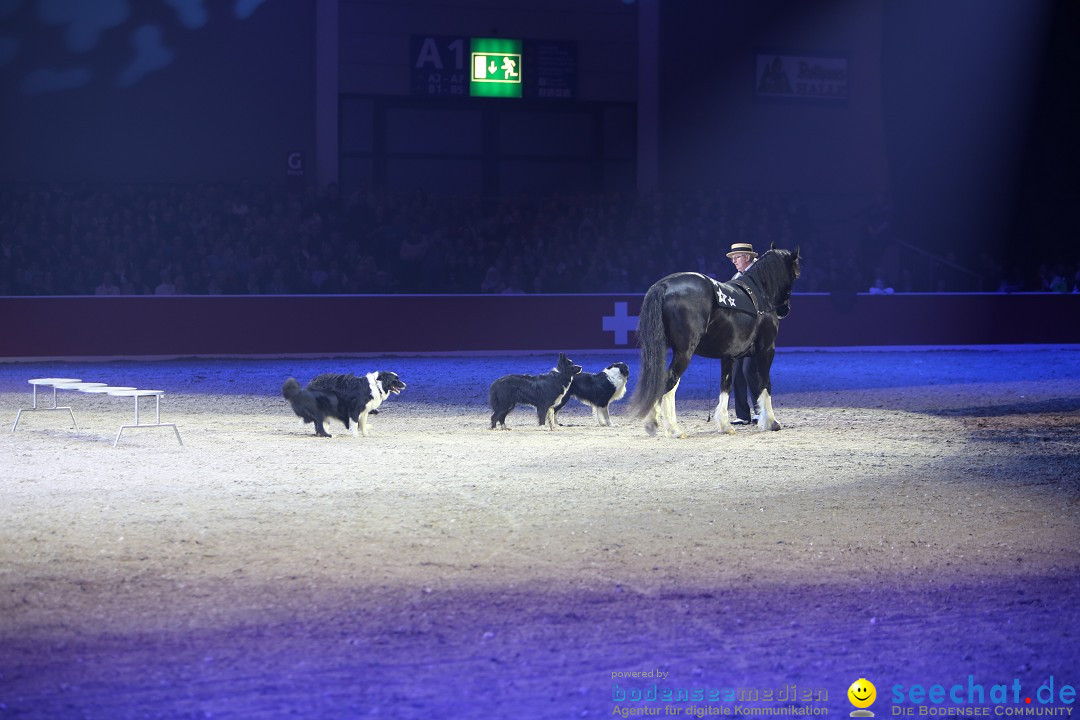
915	523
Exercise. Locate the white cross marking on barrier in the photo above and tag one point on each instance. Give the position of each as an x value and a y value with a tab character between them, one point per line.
620	323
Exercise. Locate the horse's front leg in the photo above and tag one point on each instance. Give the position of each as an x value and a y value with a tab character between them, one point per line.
720	415
763	380
766	417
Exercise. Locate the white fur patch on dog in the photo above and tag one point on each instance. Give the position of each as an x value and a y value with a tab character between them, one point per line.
615	377
378	394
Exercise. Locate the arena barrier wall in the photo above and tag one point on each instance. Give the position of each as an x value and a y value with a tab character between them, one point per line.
278	325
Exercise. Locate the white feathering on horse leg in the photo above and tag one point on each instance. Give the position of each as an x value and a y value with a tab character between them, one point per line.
664	417
668	403
720	415
766	418
775	423
764	410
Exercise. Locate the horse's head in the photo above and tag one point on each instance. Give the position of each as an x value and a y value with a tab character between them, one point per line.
777	270
784	306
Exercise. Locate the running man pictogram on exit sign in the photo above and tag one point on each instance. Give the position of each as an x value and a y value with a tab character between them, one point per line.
496	67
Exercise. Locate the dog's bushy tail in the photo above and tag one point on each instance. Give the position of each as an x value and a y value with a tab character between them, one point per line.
290	389
495	394
654	345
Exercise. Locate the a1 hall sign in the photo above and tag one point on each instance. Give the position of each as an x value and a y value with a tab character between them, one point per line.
440	65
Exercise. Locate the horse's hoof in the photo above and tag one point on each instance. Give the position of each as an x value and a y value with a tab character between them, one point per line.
775	426
650	427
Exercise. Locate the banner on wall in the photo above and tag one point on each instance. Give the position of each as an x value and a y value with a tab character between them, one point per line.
801	76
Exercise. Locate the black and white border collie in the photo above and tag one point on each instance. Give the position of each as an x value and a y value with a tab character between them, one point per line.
598	390
358	396
311	406
543	392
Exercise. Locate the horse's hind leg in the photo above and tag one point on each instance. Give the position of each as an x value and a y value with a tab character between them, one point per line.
652	422
679	362
667	409
720	415
664	409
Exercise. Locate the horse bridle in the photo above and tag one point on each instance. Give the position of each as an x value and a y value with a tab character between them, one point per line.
784	308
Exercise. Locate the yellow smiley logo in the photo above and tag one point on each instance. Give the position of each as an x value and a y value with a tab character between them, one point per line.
862	693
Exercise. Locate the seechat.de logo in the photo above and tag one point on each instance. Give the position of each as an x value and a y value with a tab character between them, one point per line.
862	694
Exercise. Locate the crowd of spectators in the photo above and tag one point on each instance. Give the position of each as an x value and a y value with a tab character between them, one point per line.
246	239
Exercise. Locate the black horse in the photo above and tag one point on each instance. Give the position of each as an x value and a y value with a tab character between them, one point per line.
695	315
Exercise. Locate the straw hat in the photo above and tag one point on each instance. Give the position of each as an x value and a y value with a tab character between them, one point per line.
742	249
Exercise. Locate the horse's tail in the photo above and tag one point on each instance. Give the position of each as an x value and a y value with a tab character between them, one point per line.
652	377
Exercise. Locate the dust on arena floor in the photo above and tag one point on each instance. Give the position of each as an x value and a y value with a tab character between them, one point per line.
916	521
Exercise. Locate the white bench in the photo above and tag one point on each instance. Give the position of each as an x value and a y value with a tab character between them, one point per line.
98	387
46	382
104	388
136	394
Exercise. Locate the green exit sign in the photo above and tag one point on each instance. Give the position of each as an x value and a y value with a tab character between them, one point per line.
496	67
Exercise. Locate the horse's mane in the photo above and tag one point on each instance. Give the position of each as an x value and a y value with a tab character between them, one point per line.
773	272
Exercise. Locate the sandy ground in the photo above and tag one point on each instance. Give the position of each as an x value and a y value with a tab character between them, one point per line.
916	521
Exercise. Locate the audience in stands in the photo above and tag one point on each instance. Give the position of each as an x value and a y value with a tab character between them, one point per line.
243	239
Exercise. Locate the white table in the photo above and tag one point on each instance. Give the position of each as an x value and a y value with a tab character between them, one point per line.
47	382
104	388
136	394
